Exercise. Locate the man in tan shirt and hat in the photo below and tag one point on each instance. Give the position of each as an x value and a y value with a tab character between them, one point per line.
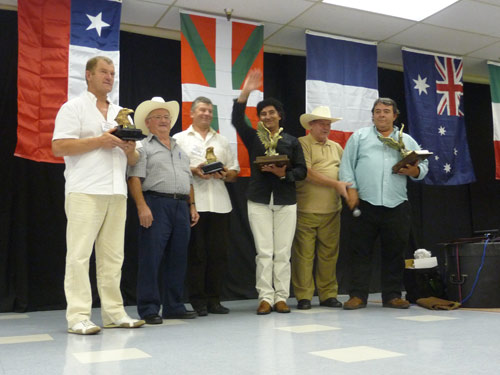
318	213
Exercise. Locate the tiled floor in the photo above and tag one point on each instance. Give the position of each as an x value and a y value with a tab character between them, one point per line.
370	341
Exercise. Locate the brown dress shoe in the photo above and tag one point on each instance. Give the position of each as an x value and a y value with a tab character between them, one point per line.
281	307
264	308
354	303
397	303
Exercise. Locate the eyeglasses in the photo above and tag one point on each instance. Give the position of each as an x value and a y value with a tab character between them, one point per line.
158	118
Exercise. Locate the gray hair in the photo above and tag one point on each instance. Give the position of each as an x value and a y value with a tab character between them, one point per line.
198	100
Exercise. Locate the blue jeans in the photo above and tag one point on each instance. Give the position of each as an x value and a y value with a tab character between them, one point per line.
162	257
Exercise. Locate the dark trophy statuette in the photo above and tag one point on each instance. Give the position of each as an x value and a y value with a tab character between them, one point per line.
270	141
212	165
407	156
127	131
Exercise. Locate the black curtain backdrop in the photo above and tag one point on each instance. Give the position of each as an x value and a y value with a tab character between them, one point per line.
33	223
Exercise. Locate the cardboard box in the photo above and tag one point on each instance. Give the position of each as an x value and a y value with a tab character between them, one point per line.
421	263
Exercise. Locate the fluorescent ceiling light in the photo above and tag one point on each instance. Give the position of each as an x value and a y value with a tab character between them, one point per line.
411	10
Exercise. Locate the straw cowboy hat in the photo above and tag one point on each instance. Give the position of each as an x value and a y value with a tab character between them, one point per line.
145	108
319	113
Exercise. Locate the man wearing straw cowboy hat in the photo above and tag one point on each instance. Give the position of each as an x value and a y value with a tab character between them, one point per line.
162	187
318	213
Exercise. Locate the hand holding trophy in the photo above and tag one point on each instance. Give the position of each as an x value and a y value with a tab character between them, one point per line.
408	156
212	164
127	131
270	142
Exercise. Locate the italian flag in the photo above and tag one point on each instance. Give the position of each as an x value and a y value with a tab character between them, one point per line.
494	69
216	56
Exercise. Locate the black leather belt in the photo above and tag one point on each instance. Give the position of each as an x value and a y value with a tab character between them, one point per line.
183	197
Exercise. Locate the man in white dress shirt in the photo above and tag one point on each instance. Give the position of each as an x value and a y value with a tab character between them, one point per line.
210	238
96	199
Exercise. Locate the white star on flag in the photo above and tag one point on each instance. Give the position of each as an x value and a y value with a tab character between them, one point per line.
447	168
442	130
455	151
436	158
421	85
97	23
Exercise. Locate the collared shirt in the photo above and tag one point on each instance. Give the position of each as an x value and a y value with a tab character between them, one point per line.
324	158
161	169
210	195
263	184
367	163
100	171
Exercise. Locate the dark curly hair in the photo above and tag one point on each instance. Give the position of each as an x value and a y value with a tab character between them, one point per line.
276	104
386	101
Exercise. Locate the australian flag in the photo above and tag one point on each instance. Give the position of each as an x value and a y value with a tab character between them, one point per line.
434	101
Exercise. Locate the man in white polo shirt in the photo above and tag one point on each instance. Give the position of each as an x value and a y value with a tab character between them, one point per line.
96	197
210	238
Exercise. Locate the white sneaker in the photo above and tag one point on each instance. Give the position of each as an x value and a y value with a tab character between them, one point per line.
126	322
85	327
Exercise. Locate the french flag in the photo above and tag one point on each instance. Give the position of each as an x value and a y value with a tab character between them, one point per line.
341	74
56	38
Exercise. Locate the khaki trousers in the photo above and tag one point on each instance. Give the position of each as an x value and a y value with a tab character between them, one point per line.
98	219
273	228
315	250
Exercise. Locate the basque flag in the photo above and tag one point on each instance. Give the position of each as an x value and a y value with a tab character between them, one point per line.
341	74
434	102
56	38
216	56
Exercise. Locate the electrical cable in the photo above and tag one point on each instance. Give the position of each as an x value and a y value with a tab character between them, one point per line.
478	272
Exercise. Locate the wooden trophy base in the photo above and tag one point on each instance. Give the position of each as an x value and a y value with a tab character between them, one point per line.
278	160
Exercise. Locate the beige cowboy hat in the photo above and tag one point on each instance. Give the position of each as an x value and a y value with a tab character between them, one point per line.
319	113
144	109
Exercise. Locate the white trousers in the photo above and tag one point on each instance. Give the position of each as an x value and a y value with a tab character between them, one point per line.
273	228
99	219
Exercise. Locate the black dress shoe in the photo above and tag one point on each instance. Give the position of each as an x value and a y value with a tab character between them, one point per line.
331	302
153	319
185	315
304	304
201	310
217	309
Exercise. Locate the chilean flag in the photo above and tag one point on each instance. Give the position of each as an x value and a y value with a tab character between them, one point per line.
341	74
56	38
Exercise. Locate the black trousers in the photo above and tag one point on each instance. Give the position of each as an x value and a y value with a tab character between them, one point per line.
393	226
207	258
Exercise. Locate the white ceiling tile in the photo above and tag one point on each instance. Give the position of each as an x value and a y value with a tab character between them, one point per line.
171	20
349	22
469	16
491	52
276	11
494	2
438	39
270	29
475	67
164	2
289	37
141	13
389	53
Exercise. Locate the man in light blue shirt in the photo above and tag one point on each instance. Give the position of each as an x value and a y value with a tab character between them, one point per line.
381	197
